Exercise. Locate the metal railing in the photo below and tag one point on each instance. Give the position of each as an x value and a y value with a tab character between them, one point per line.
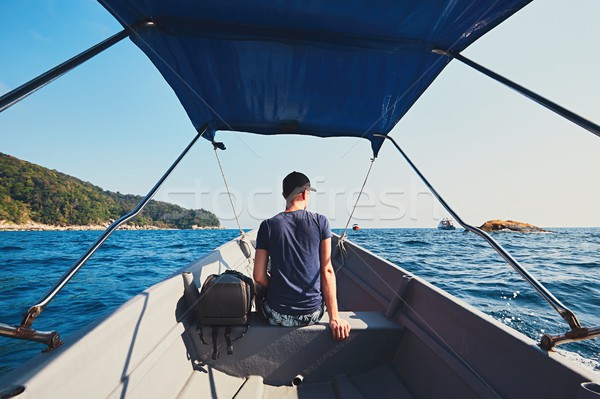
52	339
552	106
577	332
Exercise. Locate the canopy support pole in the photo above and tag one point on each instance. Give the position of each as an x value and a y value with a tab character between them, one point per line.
24	331
552	106
16	95
577	332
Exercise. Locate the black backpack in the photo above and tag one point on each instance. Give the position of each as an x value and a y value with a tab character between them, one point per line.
225	300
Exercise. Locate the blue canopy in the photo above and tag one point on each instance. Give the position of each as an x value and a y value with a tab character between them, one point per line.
321	68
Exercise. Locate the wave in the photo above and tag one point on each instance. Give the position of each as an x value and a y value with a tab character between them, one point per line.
11	248
579	264
111	246
503	231
417	243
586	362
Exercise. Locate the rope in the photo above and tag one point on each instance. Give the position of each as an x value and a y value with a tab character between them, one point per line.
358	198
243	243
215	147
341	255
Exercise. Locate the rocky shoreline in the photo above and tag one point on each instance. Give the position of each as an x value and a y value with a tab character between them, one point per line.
510	225
34	226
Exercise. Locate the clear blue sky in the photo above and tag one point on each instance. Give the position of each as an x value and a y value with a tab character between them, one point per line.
490	152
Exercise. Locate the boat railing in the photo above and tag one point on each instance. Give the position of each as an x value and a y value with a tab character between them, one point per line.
552	106
52	339
14	96
24	330
577	332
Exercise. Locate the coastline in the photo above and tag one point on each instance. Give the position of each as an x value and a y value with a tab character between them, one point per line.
34	226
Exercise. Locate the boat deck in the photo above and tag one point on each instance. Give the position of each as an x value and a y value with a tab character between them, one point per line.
382	382
408	339
260	366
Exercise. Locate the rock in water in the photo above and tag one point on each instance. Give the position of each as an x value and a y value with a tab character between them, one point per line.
499	225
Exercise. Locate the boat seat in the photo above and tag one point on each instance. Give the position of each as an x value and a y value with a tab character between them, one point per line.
279	354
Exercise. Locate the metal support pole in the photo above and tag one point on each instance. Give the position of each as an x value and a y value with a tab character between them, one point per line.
16	95
549	341
552	106
52	339
547	295
35	310
24	331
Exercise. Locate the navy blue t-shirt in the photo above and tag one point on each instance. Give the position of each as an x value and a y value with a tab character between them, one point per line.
293	240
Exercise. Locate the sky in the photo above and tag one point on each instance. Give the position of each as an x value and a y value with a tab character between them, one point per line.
491	153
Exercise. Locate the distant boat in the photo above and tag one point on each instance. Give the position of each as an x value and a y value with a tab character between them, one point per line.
446	224
355	227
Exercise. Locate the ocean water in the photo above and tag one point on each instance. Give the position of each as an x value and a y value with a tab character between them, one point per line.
565	261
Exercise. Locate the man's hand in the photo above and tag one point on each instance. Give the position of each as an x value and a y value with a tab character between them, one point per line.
340	329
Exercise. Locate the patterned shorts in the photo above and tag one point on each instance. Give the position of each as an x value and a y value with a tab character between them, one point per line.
287	320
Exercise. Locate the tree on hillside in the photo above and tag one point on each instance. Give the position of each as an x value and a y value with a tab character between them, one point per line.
31	192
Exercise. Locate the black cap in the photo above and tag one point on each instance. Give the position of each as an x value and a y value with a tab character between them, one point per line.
295	183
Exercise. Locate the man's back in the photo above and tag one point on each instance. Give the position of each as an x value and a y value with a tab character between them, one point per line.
301	279
293	241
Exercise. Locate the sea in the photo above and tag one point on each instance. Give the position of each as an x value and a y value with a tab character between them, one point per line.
565	260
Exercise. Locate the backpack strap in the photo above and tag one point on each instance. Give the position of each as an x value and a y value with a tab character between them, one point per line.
208	285
202	335
228	340
215	333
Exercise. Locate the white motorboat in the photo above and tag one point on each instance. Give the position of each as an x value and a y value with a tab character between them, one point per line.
409	338
446	224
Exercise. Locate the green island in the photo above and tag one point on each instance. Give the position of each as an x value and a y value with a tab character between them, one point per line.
31	194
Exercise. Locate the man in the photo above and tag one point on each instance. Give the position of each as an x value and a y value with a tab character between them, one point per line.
301	275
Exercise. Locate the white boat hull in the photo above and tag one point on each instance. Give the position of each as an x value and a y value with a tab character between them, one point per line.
426	345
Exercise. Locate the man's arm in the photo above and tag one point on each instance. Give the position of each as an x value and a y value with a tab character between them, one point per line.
339	327
260	267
